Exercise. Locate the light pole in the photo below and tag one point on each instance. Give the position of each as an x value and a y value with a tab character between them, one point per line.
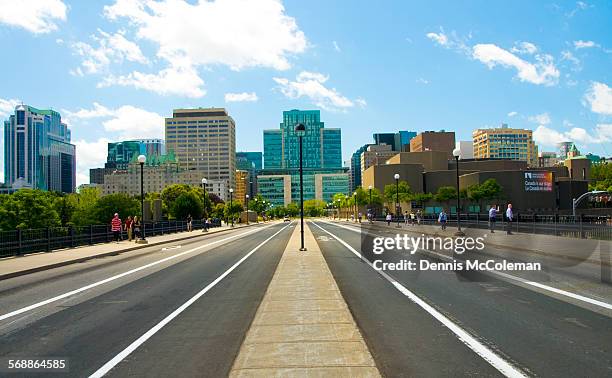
142	159
247	207
370	204
300	130
231	191
204	182
397	206
356	205
457	155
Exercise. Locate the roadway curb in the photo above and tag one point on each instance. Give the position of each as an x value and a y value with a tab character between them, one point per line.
535	251
105	254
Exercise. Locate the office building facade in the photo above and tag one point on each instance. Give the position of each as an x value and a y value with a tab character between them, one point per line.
399	141
37	151
252	162
505	143
355	168
434	141
322	160
204	140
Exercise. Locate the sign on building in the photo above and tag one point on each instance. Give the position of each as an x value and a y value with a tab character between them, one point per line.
538	181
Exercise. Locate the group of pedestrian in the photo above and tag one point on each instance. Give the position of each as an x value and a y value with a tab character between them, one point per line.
132	226
412	218
493	210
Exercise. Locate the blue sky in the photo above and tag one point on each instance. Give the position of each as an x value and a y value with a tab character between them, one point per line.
116	68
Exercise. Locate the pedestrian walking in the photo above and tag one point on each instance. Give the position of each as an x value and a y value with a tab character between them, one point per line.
412	219
360	215
406	217
116	227
389	218
189	223
419	216
509	218
493	217
136	225
442	218
128	227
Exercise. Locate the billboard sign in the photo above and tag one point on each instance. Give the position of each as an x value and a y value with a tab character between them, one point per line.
538	181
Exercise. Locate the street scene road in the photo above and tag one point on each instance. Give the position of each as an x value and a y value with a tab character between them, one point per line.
191	308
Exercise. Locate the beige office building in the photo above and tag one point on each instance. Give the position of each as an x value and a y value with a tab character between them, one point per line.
204	140
374	155
505	143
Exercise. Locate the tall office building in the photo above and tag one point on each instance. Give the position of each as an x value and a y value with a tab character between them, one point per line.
375	154
251	162
505	143
434	141
466	147
204	140
37	151
399	141
324	175
355	168
322	147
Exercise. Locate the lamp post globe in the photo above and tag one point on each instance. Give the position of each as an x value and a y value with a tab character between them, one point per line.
142	160
300	131
457	155
231	191
247	209
397	206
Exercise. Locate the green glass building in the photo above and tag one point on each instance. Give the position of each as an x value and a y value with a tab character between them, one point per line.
324	175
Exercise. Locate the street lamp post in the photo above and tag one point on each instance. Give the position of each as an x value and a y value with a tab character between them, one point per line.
247	209
231	191
300	130
457	155
204	182
397	206
370	192
141	160
356	211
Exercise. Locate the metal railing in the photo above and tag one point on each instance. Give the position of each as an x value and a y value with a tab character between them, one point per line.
582	227
20	242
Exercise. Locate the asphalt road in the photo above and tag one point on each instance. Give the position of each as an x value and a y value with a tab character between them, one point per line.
93	327
533	332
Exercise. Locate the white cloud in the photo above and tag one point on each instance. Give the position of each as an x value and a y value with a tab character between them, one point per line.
568	56
98	111
599	98
7	107
580	44
542	71
130	122
89	155
36	16
422	81
311	85
111	48
524	48
549	137
512	114
361	102
439	38
241	97
540	119
336	47
236	33
178	79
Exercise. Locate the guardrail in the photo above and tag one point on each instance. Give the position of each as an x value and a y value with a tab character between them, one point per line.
20	242
582	227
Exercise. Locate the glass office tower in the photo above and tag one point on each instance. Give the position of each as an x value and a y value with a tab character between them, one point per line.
37	151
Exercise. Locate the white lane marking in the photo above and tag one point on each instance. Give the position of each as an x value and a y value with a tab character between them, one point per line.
518	279
171	248
487	354
115	277
147	335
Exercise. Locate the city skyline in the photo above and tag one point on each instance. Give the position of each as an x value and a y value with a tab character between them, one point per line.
419	68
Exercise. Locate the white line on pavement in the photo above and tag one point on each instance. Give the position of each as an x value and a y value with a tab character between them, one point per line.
487	354
138	342
515	278
115	277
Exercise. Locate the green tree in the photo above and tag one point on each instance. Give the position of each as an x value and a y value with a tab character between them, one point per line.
422	198
233	211
120	203
314	208
188	204
491	189
293	209
170	194
218	211
28	208
393	191
445	194
84	213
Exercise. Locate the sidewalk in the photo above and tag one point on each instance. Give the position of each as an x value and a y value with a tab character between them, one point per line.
597	252
36	262
303	327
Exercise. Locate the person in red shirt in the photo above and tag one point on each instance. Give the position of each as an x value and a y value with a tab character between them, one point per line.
128	227
116	227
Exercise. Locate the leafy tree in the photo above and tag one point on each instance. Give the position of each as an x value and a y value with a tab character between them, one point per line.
232	211
187	204
491	189
393	191
214	199
84	213
314	208
422	198
259	204
120	203
28	208
170	194
293	209
445	194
